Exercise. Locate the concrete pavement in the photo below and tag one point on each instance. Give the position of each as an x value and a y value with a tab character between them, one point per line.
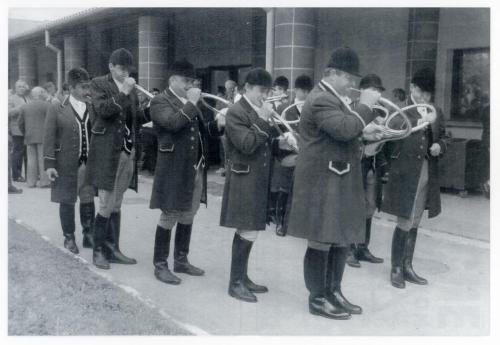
456	302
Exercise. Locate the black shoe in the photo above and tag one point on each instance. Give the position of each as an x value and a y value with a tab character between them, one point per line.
87	212
181	251
335	272
100	229
14	190
351	258
321	306
112	247
252	287
397	256
163	274
316	279
99	259
239	261
362	252
70	244
409	273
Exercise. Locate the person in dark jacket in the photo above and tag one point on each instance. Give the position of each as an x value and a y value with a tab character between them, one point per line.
180	181
251	143
373	170
66	140
282	178
112	164
413	180
328	206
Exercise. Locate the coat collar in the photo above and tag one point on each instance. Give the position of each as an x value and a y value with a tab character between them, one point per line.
247	107
173	98
113	84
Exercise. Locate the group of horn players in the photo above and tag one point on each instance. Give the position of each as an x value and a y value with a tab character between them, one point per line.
301	164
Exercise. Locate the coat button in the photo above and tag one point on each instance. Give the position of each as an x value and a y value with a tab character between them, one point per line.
267	144
419	157
192	129
265	164
192	138
421	146
192	147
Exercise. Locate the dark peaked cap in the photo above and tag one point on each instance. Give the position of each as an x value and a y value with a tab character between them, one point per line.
425	79
121	57
345	59
183	68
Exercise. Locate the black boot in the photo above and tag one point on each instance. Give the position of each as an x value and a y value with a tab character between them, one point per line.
397	255
67	217
271	211
281	203
239	260
87	212
181	251
100	230
362	252
409	273
351	257
112	246
161	251
255	288
336	265
315	276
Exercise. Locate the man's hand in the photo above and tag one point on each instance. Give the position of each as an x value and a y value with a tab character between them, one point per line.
193	95
369	97
52	174
266	111
435	149
128	85
221	118
372	132
288	142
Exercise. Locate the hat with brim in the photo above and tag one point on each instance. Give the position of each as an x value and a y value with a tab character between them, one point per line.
183	68
345	59
259	77
371	81
425	79
121	57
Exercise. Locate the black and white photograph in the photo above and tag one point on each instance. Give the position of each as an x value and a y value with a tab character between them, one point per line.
180	169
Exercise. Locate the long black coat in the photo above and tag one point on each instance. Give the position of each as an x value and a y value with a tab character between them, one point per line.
61	145
111	109
182	143
250	149
405	160
328	199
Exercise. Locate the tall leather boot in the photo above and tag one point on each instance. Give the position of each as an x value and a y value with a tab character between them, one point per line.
181	251
255	288
362	252
271	211
87	212
315	277
352	259
397	256
160	256
67	217
239	260
112	246
281	204
409	273
336	264
100	230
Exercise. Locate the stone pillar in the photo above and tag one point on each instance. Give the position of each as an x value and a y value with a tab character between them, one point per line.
74	52
423	28
294	42
153	52
27	65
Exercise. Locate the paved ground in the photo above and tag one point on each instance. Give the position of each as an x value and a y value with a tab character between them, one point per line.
456	302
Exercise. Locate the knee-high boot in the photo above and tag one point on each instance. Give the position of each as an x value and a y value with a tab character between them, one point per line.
160	256
397	256
87	214
181	251
67	217
239	260
112	243
409	273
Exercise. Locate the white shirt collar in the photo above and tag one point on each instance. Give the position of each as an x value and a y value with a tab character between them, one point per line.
79	106
182	99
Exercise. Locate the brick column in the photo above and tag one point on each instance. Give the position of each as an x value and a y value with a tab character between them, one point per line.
153	52
294	42
27	65
423	28
74	52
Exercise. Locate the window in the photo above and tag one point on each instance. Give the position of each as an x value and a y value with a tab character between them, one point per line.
470	83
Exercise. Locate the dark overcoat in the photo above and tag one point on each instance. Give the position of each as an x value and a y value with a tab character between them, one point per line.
31	121
405	161
328	199
182	146
61	149
250	149
112	108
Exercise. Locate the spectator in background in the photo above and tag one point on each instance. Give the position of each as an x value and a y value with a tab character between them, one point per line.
51	89
229	95
31	123
64	94
399	97
240	90
280	88
149	141
16	100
